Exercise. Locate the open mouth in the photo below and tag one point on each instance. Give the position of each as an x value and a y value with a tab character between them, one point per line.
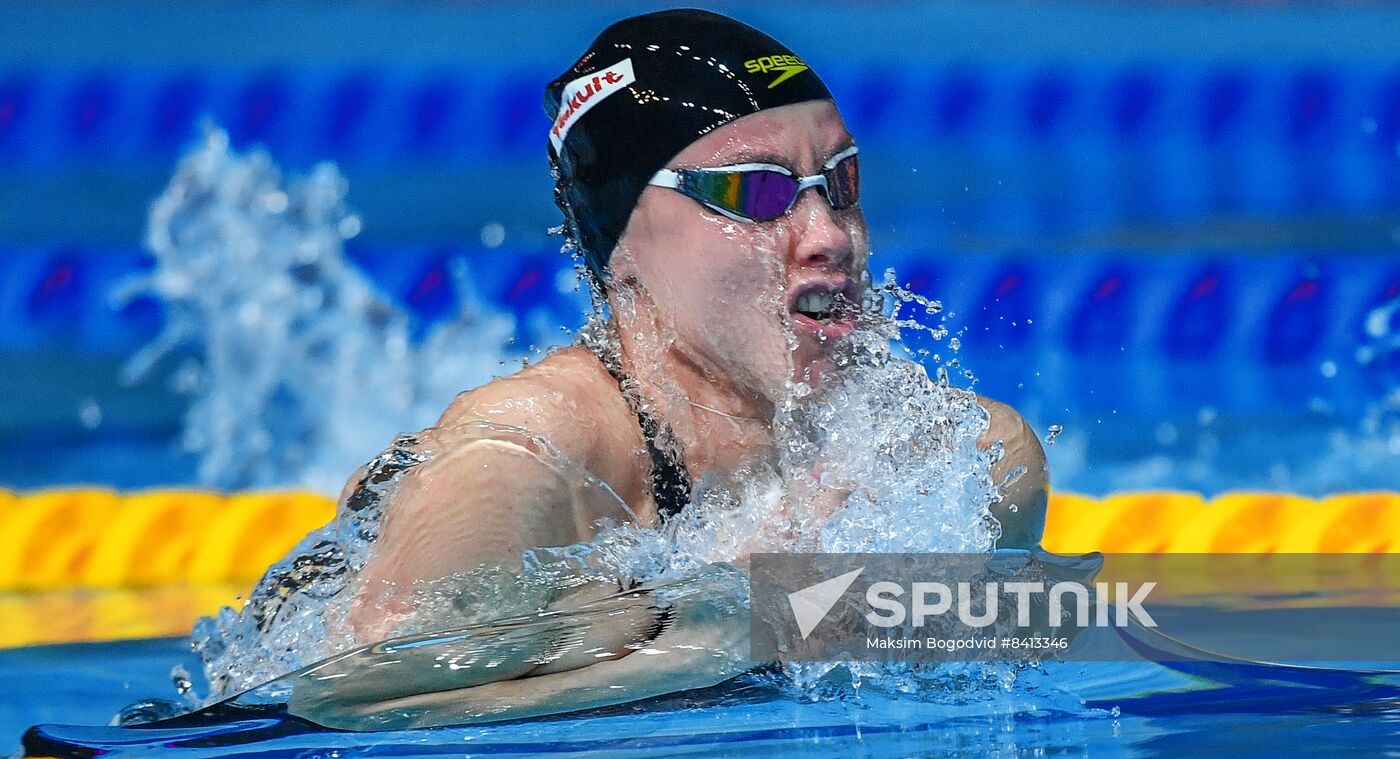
826	303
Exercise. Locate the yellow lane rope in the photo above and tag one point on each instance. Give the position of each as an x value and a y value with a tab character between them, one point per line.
94	564
1170	522
94	538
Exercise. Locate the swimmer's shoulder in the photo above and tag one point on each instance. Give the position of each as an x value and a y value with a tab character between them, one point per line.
1022	473
1005	423
569	385
567	397
1021	445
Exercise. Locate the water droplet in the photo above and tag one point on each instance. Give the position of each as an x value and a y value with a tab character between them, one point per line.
493	234
90	413
275	201
180	678
1053	432
349	227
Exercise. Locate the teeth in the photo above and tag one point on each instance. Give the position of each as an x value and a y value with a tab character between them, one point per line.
815	302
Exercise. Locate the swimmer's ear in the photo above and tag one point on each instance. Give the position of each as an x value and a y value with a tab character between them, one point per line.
622	268
616	280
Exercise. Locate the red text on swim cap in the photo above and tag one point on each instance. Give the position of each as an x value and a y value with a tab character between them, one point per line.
584	93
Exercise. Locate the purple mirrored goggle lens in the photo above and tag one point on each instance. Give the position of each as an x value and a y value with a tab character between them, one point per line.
764	194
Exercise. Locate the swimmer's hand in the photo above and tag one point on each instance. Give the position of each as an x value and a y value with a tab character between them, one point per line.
587	653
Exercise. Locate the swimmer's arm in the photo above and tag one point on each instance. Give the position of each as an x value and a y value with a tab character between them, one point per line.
480	502
549	664
483	498
1026	496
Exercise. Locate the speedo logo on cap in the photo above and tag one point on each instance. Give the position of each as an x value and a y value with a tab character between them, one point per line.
584	93
790	65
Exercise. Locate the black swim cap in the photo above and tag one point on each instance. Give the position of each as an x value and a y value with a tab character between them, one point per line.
648	87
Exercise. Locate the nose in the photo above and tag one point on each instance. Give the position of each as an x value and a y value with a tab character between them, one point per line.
820	239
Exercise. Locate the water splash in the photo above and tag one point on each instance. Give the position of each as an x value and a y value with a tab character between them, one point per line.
302	368
297	612
1379	357
900	449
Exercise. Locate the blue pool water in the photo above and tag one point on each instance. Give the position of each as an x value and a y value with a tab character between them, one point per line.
88	683
1154	365
1161	226
1168	228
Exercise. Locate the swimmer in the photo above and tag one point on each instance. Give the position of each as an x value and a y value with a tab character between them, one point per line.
712	188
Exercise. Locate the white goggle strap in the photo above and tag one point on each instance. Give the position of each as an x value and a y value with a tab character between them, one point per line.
665	178
839	157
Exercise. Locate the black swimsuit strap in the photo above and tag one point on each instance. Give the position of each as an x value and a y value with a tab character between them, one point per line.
670	480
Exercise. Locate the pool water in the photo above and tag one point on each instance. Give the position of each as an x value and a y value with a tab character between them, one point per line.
87	683
1176	248
1254	373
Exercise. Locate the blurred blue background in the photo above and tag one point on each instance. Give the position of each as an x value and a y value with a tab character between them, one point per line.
1170	228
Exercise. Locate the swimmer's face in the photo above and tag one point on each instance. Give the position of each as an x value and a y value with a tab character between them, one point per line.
731	294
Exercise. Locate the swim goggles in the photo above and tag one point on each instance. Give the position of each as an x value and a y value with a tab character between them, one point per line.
754	192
